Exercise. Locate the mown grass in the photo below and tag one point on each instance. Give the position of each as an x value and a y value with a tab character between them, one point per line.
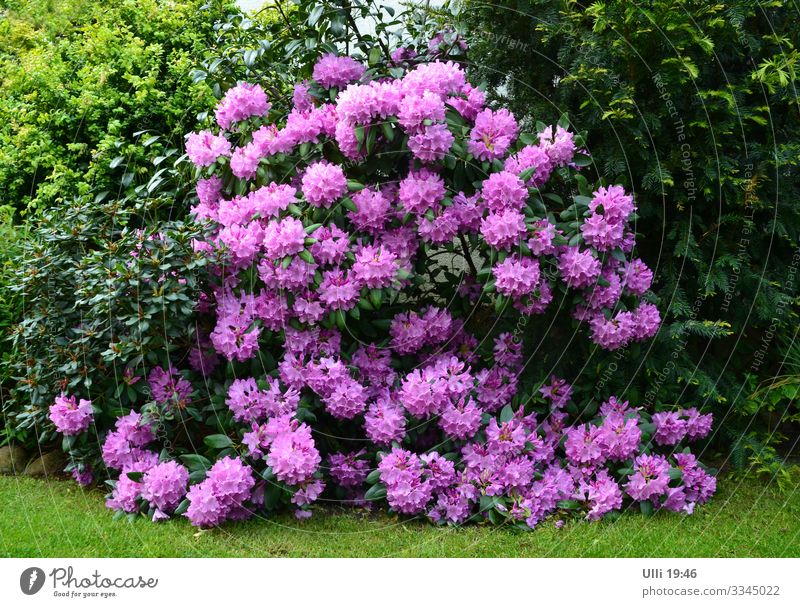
747	518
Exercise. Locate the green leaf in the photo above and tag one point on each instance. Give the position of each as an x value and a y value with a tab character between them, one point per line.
487	502
67	443
376	492
581	160
182	507
315	14
646	507
272	495
218	441
526	175
373	133
373	477
506	414
374	55
194	462
388	130
647	428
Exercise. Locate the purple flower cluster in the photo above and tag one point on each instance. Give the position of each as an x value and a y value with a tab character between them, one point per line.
204	148
411	480
169	388
326	270
332	71
347	469
241	102
293	456
673	426
164	486
70	415
521	467
124	446
251	404
323	183
223	495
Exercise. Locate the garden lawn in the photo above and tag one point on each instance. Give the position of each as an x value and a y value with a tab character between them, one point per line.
59	519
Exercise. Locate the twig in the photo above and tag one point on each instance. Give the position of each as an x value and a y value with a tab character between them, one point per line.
465	249
285	18
347	7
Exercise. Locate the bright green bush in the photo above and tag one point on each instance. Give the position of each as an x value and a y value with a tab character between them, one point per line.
83	83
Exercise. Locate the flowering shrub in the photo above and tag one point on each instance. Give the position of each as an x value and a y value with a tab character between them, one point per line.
376	251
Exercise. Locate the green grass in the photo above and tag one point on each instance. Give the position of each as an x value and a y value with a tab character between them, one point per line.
58	519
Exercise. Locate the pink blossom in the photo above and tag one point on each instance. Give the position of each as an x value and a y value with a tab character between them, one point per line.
70	415
293	455
503	191
558	144
241	102
420	191
504	229
493	134
330	70
670	428
204	148
323	183
517	276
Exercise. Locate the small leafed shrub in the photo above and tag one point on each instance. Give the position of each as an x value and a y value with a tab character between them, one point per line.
86	84
376	249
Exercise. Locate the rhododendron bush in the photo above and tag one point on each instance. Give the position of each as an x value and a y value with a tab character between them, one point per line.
380	245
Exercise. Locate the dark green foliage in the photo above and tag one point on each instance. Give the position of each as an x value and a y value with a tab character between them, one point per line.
692	106
108	286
